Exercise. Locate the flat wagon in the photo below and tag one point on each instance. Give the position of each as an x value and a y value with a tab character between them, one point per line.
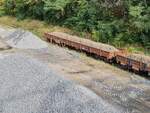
106	52
133	62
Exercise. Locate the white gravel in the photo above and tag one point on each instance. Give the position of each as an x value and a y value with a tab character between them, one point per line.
22	39
28	86
5	31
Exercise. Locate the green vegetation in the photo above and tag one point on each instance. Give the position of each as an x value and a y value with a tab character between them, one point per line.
35	26
117	22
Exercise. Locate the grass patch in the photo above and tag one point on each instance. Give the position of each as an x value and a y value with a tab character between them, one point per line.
35	26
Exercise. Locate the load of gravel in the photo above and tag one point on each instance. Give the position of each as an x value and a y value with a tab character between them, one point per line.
139	57
28	86
22	39
87	42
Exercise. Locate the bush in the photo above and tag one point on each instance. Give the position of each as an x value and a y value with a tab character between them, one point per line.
118	22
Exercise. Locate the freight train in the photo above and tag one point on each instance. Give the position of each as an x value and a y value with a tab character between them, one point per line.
136	63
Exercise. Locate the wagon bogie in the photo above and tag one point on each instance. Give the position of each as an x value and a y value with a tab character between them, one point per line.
122	60
84	48
106	54
49	39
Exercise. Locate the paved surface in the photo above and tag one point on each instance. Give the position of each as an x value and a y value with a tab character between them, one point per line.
119	90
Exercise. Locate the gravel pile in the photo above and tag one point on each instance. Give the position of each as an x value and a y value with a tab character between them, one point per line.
28	86
21	39
99	45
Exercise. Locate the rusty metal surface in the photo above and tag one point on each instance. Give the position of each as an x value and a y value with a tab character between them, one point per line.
102	50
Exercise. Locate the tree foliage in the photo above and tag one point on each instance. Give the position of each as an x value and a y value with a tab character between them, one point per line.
118	22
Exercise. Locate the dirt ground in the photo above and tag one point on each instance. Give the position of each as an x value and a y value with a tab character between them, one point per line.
125	90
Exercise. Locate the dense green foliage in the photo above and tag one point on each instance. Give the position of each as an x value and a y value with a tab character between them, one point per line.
118	22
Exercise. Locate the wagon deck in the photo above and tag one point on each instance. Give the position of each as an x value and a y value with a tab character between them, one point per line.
87	42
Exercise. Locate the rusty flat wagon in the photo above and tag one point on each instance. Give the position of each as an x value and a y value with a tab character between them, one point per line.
109	53
135	62
103	50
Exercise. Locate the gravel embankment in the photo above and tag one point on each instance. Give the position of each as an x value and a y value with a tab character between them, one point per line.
22	39
28	86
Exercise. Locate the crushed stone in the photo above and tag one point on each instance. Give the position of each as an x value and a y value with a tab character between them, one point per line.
29	86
